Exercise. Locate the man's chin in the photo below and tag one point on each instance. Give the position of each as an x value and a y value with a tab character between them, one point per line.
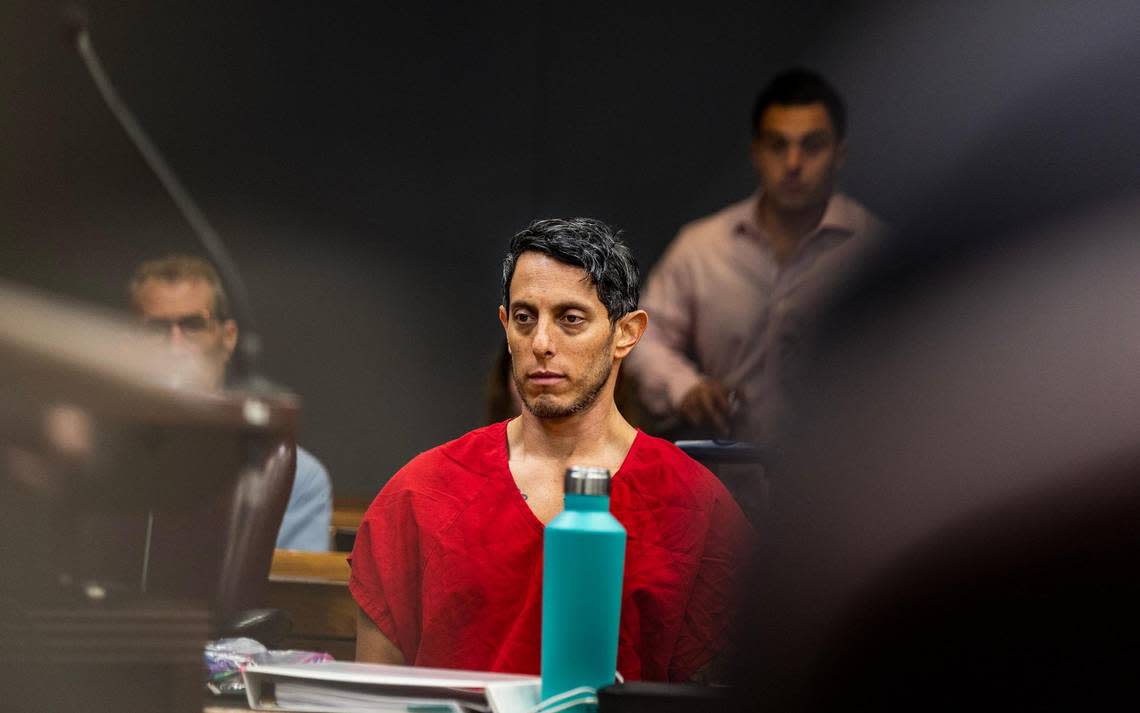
546	407
550	408
795	203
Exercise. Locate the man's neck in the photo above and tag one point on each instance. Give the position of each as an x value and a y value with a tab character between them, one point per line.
787	229
540	451
596	436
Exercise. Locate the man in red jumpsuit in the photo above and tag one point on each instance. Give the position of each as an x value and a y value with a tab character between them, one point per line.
447	567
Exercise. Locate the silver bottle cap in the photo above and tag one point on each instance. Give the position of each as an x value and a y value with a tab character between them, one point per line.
584	480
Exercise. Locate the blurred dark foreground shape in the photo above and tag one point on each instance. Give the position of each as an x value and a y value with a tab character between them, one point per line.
956	522
138	511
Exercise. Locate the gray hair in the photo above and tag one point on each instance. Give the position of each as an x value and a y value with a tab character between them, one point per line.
182	268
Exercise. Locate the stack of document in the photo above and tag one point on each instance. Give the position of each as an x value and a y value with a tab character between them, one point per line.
358	687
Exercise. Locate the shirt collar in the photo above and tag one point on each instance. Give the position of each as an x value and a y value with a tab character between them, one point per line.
838	217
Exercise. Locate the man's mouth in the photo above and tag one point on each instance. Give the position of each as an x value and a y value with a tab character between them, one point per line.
545	378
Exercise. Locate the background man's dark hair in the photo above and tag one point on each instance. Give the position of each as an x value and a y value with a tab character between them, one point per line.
586	243
797	87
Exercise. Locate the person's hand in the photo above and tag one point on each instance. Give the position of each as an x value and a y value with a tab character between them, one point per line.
707	404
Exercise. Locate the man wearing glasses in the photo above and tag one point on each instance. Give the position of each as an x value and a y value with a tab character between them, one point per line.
180	298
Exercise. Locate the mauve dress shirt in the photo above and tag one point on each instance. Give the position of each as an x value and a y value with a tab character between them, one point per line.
720	305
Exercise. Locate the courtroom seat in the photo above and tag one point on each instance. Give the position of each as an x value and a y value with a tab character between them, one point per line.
312	587
743	467
248	516
346	516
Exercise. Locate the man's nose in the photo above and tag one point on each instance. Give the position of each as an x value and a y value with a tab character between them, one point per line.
543	342
794	159
175	338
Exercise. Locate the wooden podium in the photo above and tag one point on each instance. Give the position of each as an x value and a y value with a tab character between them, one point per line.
137	511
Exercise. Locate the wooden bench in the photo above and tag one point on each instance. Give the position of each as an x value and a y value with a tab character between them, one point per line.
346	516
313	588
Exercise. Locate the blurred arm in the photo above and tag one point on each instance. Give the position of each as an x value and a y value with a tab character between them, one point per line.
305	525
371	644
664	372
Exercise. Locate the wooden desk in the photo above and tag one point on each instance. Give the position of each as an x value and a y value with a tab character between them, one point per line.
313	588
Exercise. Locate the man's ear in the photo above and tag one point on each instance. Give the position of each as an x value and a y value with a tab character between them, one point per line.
629	330
503	321
229	337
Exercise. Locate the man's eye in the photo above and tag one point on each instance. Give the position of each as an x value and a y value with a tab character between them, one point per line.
522	317
193	324
573	319
814	145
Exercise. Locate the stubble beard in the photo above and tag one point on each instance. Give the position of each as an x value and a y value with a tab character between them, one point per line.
544	410
816	199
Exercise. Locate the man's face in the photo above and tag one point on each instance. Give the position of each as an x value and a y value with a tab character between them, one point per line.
560	337
796	155
181	314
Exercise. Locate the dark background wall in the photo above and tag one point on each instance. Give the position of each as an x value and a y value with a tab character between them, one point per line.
367	164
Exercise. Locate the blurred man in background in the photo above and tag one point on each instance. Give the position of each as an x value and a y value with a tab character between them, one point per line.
181	299
734	288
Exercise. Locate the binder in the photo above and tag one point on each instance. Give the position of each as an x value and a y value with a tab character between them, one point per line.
349	687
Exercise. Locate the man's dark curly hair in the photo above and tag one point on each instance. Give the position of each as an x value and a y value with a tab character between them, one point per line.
586	243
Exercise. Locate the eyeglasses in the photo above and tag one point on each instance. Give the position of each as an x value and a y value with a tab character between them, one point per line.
191	325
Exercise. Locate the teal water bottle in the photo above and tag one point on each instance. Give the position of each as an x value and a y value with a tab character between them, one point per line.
583	566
